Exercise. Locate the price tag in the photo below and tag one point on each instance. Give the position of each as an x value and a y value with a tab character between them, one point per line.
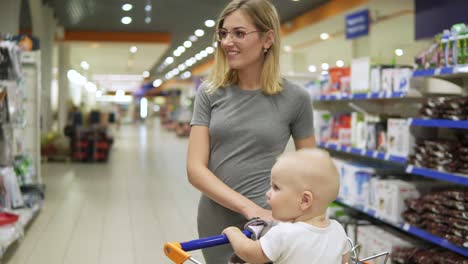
388	94
387	156
409	169
363	152
437	71
368	95
348	149
406	227
375	154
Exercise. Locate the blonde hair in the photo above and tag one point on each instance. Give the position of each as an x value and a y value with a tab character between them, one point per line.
265	18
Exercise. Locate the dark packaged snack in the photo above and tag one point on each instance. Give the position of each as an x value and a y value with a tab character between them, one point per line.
457	214
437	209
404	255
448	257
424	257
412	218
439	229
458	241
458	232
457	195
458	223
417	205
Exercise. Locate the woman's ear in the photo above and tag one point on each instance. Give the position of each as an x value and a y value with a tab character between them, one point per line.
307	200
269	39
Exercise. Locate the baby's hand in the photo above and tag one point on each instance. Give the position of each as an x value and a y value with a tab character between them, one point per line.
231	230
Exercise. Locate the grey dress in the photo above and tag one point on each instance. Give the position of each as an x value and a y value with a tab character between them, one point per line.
248	131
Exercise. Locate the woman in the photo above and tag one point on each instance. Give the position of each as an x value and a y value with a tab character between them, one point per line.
243	118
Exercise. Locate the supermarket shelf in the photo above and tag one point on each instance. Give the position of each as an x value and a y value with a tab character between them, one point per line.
409	229
438	123
442	71
410	169
363	152
439	175
361	96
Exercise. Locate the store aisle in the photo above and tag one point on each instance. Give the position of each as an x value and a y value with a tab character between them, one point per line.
119	212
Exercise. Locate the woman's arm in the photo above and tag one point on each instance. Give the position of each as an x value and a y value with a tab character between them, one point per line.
307	142
204	180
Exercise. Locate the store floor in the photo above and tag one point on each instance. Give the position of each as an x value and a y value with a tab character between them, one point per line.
120	212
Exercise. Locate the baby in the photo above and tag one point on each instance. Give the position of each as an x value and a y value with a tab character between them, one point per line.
303	184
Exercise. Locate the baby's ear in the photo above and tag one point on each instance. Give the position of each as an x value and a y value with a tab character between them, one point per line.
306	200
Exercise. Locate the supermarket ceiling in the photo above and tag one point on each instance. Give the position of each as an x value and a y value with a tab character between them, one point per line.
179	18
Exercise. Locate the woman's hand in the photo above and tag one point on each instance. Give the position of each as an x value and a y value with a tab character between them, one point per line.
259	212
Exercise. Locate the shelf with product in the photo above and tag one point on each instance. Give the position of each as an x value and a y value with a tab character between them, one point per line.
22	190
414	121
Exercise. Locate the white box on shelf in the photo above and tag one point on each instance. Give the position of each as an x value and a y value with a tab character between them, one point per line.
375	84
387	80
360	71
399	139
401	79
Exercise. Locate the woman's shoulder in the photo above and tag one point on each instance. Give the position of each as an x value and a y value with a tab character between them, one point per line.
292	89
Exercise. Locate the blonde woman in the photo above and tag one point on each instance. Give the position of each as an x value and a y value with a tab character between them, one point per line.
243	117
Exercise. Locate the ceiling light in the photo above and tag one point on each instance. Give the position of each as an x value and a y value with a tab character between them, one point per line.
187	44
204	53
215	44
312	68
181	49
177	53
198	57
148	20
126	20
324	36
148	8
182	67
210	50
84	65
186	75
193	38
146	74
133	49
339	63
325	66
157	83
176	71
399	52
168	76
210	23
199	32
127	7
287	48
169	60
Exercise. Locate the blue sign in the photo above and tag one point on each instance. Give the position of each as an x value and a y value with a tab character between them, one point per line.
357	24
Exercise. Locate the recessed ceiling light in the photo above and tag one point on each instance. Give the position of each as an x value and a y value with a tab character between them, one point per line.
126	20
177	53
169	60
210	23
127	7
182	67
181	49
148	8
157	83
199	32
324	36
339	63
203	53
133	49
193	38
399	52
146	74
210	50
312	68
198	56
148	20
187	44
325	66
287	48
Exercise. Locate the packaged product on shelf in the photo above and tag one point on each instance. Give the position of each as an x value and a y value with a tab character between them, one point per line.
374	240
336	75
401	79
13	197
387	80
339	123
358	130
418	255
354	182
322	125
400	141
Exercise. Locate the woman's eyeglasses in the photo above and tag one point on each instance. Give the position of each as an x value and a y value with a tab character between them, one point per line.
236	34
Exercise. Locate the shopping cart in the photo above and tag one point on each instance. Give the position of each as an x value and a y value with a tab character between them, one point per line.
177	252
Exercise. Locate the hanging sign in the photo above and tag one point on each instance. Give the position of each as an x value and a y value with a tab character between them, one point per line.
357	24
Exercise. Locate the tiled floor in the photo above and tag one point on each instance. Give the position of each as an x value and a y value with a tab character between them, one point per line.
120	212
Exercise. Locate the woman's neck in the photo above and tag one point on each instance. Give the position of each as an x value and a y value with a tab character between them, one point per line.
249	79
